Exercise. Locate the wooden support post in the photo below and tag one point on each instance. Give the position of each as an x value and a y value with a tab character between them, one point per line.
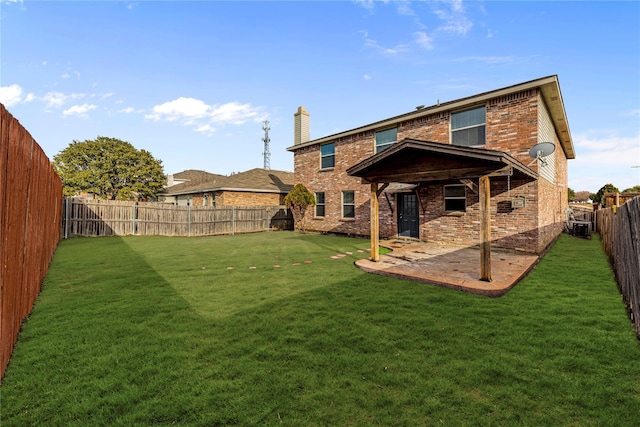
375	228
485	229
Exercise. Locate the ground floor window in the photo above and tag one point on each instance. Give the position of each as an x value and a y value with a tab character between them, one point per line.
455	199
320	204
348	204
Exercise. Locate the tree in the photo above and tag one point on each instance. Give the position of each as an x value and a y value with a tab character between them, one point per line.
572	194
298	199
599	196
110	169
634	189
582	196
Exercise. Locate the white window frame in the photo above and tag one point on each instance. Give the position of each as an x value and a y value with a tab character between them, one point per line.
326	156
463	128
344	193
382	147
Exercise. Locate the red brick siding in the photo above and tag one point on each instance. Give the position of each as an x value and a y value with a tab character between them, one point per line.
511	127
239	198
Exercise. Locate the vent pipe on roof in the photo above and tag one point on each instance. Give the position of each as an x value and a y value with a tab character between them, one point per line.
301	126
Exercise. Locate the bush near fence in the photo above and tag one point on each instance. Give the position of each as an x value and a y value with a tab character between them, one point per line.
83	217
30	214
620	232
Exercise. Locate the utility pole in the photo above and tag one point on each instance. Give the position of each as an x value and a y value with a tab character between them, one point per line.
266	154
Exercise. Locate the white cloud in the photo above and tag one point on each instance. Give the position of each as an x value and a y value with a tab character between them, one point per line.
603	158
634	113
10	95
197	113
367	77
367	4
387	51
79	110
30	97
233	113
423	40
404	8
455	19
610	149
130	110
180	108
206	129
54	99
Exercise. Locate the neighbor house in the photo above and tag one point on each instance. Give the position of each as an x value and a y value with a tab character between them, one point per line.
192	176
256	187
423	174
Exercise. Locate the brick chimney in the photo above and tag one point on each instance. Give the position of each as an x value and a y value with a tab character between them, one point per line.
301	126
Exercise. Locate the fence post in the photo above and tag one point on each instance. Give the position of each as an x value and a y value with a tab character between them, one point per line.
189	220
66	218
133	218
233	220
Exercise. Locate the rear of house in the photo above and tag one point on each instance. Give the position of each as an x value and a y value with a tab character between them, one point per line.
528	198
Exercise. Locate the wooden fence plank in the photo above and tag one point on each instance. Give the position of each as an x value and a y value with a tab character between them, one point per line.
106	218
620	235
30	198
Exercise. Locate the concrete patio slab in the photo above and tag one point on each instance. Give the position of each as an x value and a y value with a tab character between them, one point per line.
454	267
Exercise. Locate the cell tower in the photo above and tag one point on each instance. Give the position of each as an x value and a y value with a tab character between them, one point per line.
266	154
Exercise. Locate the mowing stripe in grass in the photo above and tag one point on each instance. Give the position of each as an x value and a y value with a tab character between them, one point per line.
132	331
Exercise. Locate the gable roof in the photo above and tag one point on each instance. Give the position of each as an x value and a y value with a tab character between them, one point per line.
256	180
549	87
413	160
195	175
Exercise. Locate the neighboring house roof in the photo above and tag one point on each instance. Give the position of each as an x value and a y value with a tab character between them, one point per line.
195	175
549	87
255	180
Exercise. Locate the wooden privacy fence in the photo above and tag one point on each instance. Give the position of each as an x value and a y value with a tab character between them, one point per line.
620	232
117	218
30	214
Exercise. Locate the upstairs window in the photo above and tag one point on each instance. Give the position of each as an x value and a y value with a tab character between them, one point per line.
455	199
327	156
348	204
386	138
319	204
468	127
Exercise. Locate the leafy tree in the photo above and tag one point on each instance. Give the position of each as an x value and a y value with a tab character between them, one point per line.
582	196
298	199
110	169
572	194
634	189
599	196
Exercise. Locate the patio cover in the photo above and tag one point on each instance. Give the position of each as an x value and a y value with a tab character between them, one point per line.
415	161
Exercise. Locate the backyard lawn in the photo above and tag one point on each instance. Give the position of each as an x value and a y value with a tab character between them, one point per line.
276	329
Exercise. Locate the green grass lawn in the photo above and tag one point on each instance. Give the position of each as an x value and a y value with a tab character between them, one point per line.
268	329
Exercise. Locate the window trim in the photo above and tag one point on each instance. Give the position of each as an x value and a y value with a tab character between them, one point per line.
483	124
386	144
323	204
343	204
325	156
444	193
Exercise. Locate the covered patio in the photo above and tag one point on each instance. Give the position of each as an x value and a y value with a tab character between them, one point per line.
417	162
450	266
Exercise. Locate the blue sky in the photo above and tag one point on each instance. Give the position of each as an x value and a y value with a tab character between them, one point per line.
192	81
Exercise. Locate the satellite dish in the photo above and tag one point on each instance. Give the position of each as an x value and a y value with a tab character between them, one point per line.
541	150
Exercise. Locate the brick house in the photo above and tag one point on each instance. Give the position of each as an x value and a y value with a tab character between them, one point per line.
255	187
423	173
